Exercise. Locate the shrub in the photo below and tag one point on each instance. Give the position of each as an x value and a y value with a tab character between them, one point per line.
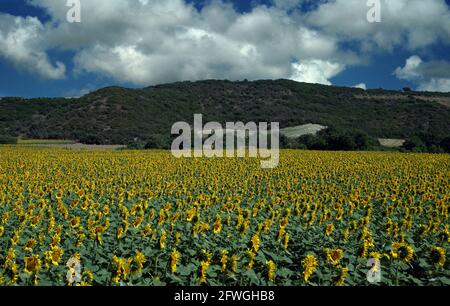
445	144
6	139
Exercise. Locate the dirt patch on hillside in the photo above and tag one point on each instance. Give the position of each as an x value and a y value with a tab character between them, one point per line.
391	143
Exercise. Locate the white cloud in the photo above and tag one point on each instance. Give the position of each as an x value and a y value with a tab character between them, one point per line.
361	86
315	71
430	76
439	85
20	44
410	70
151	41
411	23
162	41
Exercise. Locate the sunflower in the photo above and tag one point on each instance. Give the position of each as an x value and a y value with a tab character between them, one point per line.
334	256
190	214
59	195
146	231
256	242
15	273
32	264
224	260
329	229
15	238
120	233
123	268
177	238
271	270
403	251
29	245
10	256
286	241
174	259
54	255
75	222
217	227
438	256
234	263
251	258
139	259
342	276
88	279
310	264
204	266
207	255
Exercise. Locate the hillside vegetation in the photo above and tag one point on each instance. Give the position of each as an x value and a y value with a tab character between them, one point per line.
116	115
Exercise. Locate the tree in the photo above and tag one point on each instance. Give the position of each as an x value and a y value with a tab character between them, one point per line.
5	139
284	142
309	141
445	144
151	143
415	144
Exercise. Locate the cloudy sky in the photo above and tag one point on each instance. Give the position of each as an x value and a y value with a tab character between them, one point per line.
138	43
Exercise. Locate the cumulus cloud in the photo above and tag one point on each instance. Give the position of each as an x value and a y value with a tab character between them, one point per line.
430	76
315	71
439	85
361	86
151	41
20	44
410	71
411	23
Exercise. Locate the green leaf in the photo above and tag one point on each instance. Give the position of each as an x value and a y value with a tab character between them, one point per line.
254	279
445	280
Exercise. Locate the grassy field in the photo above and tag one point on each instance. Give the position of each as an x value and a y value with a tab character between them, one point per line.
297	131
44	142
66	144
146	218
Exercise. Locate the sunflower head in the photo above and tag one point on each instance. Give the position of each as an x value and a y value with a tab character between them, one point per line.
32	264
30	244
75	222
256	242
402	251
329	229
271	270
59	195
438	256
310	264
334	256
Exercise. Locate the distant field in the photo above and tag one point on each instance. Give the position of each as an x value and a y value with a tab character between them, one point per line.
392	143
297	131
66	144
43	141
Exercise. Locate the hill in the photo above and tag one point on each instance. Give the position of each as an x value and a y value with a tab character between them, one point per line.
116	115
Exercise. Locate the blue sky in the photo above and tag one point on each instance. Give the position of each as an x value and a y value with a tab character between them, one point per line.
312	41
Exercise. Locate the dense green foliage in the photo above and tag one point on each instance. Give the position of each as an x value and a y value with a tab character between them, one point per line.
117	115
5	139
336	140
423	142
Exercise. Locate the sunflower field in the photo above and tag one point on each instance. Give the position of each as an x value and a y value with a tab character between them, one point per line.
145	218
